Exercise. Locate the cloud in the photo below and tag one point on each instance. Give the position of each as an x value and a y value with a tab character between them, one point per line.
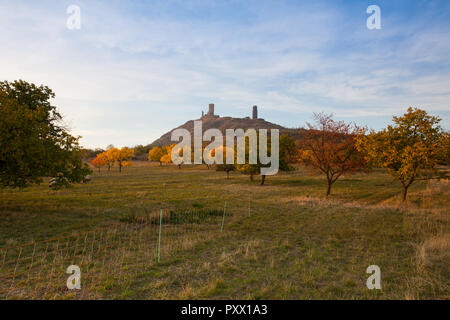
136	70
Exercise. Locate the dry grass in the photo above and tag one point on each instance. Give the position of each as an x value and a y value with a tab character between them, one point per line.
283	241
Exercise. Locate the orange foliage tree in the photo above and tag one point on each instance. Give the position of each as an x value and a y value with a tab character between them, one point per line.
99	161
329	148
121	156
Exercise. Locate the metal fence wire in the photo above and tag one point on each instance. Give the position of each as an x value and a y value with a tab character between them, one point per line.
106	256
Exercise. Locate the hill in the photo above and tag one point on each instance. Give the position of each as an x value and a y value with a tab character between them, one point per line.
210	121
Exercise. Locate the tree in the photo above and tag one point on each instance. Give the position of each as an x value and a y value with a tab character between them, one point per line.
409	149
250	169
288	153
140	149
167	150
166	159
155	154
110	156
225	166
33	140
328	147
123	157
99	161
285	150
247	168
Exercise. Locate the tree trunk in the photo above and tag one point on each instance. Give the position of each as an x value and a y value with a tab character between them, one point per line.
405	191
228	174
263	178
328	188
251	177
120	167
160	163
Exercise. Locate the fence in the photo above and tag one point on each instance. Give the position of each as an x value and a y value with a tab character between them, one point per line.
106	256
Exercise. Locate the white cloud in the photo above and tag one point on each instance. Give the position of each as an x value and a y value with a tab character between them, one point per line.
125	75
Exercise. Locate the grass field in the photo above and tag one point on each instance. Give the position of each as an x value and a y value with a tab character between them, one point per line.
283	240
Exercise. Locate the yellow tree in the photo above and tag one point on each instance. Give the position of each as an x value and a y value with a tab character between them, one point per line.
155	154
167	158
410	148
123	157
111	156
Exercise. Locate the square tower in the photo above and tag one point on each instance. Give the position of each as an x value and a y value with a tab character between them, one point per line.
255	112
211	109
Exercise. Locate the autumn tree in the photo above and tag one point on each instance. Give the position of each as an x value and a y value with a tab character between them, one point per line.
329	148
410	148
99	161
155	154
110	156
167	150
166	159
34	142
123	157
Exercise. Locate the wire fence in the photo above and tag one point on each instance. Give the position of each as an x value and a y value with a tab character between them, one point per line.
106	256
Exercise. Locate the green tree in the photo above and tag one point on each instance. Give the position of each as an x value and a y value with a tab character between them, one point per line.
226	167
33	140
247	168
410	148
288	153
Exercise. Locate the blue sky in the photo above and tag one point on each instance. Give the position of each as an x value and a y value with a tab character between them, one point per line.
138	69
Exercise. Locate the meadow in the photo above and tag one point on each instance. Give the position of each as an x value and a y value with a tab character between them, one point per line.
283	240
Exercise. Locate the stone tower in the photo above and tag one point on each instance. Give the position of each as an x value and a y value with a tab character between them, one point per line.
211	109
255	112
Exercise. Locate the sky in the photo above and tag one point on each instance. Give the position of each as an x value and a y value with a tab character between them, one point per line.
136	69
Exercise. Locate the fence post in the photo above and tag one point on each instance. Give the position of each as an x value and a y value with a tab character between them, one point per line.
223	217
159	235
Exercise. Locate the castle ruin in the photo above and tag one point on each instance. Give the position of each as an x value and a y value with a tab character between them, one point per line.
211	114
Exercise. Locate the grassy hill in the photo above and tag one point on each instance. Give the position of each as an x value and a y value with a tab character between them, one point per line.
279	241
